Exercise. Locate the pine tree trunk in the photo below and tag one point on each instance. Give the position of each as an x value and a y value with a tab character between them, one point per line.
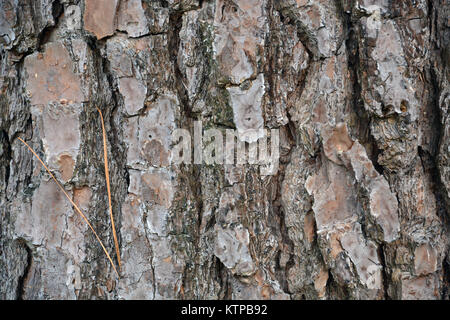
358	91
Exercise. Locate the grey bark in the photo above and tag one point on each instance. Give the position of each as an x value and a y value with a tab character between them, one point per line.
358	89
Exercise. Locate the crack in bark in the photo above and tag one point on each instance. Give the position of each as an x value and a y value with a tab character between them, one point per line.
383	271
22	281
5	156
361	130
175	25
44	35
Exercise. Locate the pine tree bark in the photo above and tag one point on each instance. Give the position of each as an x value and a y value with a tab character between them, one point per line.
357	89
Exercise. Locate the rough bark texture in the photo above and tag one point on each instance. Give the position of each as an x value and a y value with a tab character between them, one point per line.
358	89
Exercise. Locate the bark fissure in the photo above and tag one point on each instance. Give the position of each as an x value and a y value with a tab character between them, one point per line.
22	281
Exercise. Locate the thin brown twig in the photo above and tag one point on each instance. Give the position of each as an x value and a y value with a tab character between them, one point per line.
108	188
73	203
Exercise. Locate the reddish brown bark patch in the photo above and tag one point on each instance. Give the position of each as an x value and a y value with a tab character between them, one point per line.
309	227
336	141
425	260
82	198
51	76
66	166
155	154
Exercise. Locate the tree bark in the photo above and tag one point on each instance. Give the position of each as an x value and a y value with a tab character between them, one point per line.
358	90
